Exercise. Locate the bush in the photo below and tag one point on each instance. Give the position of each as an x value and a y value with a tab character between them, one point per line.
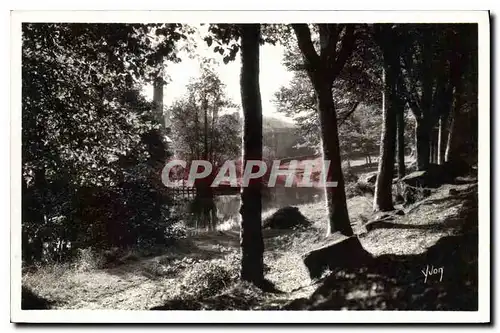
130	214
175	231
87	260
156	269
208	278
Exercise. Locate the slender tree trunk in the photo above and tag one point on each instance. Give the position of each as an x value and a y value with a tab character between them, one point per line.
459	63
400	119
401	143
252	245
383	186
442	105
435	146
197	133
443	137
212	137
205	129
452	138
431	149
424	126
453	145
335	196
422	141
40	215
204	203
323	69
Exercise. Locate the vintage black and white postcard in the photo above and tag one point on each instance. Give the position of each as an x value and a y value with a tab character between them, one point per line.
231	166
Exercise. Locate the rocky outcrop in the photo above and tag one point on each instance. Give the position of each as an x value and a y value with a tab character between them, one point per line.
286	218
369	178
417	184
342	253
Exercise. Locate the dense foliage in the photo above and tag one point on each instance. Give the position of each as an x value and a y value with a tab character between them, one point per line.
90	143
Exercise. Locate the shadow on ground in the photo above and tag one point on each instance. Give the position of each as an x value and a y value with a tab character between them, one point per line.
444	277
399	282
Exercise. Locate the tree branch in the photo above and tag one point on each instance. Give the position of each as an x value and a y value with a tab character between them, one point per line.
348	41
412	101
333	31
305	44
351	111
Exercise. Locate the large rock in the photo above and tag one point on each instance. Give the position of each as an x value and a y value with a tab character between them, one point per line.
346	252
286	218
435	176
365	185
411	167
458	168
369	178
418	184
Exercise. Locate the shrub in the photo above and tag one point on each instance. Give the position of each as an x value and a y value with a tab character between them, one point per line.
129	214
175	231
155	269
87	260
208	278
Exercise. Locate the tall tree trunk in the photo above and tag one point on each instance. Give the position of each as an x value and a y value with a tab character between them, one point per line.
252	245
401	142
400	118
383	186
205	128
424	125
323	69
454	140
463	57
431	149
442	105
422	141
335	196
435	147
212	137
40	214
197	153
443	137
204	192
